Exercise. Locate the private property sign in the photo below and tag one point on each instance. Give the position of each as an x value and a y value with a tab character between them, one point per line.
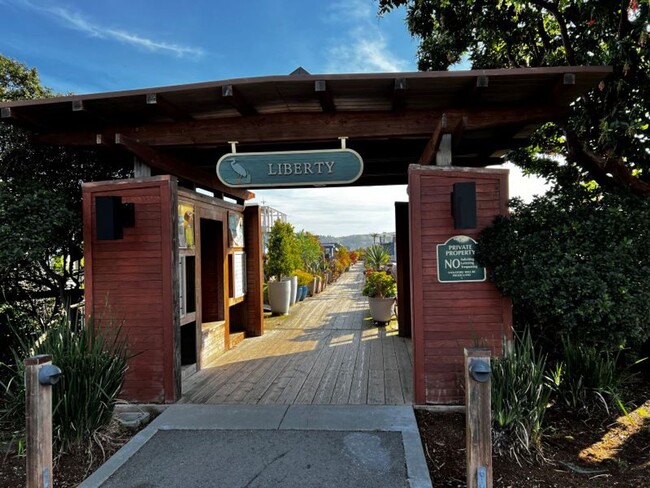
456	261
291	168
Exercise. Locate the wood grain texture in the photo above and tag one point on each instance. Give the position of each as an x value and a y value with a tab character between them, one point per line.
451	316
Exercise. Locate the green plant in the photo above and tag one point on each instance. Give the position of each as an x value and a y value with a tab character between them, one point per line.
589	378
379	284
520	397
93	359
282	250
376	257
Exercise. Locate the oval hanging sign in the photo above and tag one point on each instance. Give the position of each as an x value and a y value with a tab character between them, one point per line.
291	168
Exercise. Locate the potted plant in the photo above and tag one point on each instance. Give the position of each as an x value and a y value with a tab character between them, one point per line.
280	265
381	290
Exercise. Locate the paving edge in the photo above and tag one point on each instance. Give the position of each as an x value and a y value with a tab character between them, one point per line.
351	418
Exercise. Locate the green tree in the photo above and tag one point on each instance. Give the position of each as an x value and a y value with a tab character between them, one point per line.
41	246
606	137
281	250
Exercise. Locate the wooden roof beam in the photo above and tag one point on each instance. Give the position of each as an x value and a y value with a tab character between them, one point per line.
552	92
234	97
473	91
19	116
312	127
324	96
169	108
399	95
170	164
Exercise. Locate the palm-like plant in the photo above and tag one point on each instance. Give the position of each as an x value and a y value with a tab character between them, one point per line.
376	257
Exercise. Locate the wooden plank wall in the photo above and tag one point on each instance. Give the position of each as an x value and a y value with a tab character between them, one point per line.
448	317
133	277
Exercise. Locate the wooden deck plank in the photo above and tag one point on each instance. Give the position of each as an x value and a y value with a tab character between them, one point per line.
341	393
328	381
392	382
376	389
359	388
326	351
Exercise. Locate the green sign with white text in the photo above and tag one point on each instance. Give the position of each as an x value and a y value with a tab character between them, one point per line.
456	261
291	168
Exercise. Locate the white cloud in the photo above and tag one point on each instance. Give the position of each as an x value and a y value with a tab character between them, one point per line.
360	45
76	21
365	51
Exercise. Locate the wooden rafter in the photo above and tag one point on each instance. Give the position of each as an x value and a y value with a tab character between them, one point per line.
324	96
18	115
169	164
168	108
399	95
234	97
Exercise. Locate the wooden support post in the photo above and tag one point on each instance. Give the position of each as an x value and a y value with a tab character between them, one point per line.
38	406
478	430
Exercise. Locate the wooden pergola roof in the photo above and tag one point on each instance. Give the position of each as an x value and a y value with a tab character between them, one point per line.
391	119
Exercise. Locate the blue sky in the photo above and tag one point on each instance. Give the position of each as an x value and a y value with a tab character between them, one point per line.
97	46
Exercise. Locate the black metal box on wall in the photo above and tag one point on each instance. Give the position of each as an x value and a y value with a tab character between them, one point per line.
463	205
112	216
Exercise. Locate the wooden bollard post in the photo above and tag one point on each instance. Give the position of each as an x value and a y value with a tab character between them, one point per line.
478	430
38	407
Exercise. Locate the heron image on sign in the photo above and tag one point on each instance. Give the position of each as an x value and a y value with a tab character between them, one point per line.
456	261
291	168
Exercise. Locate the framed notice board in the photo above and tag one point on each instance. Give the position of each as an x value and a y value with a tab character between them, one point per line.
238	274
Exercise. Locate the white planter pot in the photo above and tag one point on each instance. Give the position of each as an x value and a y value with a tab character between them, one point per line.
294	288
381	309
279	296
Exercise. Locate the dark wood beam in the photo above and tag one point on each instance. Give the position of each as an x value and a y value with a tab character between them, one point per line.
234	97
399	95
472	92
168	108
17	115
297	127
553	92
170	164
324	96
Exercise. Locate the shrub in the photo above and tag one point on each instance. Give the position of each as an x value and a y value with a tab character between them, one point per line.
576	265
379	284
93	360
520	397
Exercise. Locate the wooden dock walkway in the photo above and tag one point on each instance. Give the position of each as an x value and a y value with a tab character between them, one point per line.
327	351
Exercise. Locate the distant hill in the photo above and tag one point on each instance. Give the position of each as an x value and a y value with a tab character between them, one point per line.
357	241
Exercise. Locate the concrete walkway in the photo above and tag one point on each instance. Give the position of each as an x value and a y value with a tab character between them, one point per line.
271	445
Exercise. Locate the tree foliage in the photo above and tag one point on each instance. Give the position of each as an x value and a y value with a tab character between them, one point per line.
40	209
606	138
577	265
282	250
